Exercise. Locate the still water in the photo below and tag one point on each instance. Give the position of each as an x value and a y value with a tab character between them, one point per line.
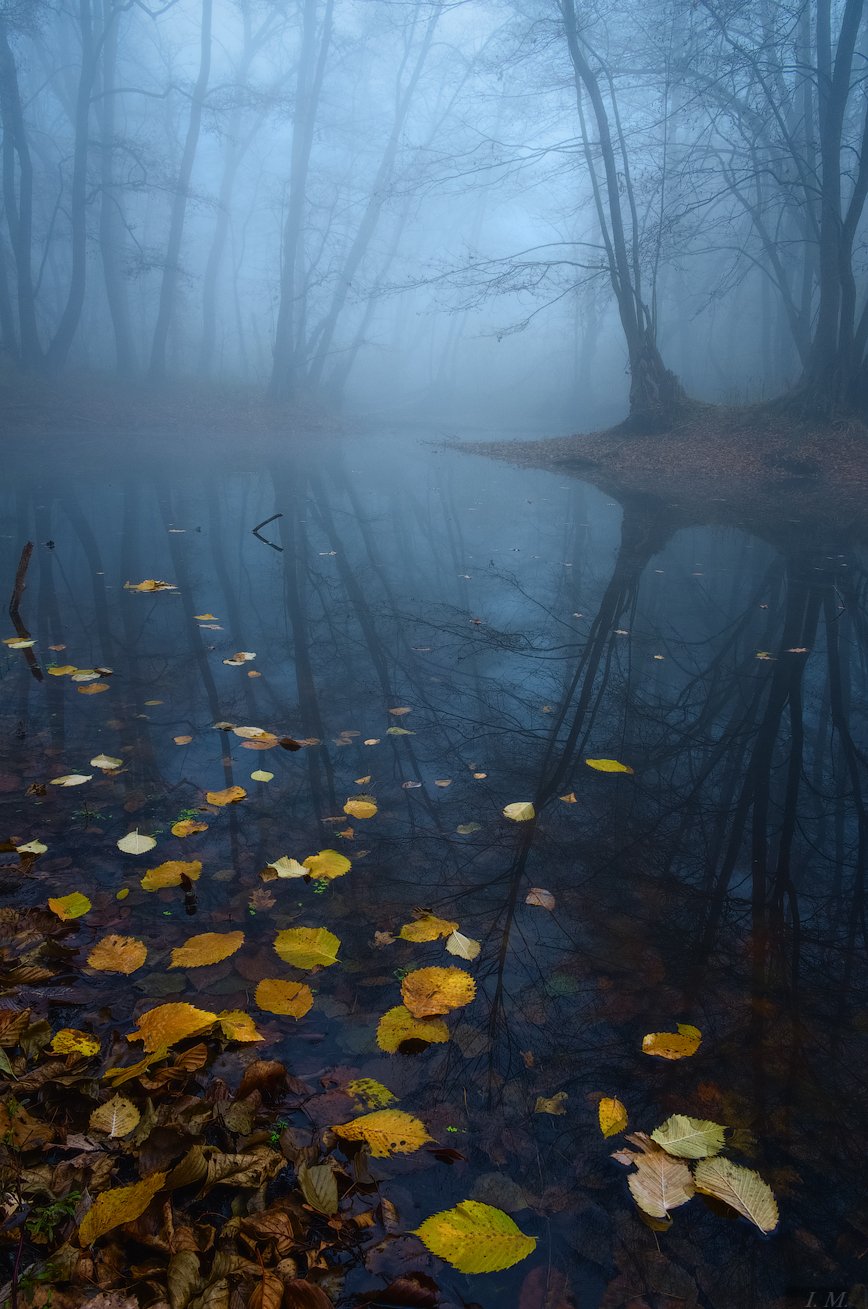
527	622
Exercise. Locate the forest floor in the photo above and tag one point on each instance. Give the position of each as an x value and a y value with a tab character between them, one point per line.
755	460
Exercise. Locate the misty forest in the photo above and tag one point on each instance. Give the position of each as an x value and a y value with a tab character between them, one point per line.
434	698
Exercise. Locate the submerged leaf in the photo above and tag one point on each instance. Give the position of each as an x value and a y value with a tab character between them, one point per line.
475	1238
741	1188
556	1104
539	896
386	1132
70	1041
370	1092
398	1025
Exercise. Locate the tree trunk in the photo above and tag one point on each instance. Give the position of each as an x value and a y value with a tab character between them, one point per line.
19	208
110	213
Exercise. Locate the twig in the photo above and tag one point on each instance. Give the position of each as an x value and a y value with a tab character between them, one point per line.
265	523
20	583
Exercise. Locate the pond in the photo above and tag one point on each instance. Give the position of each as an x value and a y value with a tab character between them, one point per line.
428	638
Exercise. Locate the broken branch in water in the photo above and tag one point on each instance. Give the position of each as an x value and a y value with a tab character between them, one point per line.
263	539
17	592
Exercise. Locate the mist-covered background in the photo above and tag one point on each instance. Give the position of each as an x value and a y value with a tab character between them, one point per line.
397	204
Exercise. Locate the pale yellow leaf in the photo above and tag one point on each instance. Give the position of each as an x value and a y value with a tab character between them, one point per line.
741	1188
690	1138
520	812
136	843
108	763
261	775
71	779
286	867
464	947
117	1117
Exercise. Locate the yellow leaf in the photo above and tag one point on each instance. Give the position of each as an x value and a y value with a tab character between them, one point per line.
427	991
398	1025
71	779
205	618
520	812
613	1116
31	847
207	948
360	806
182	740
129	1072
117	1117
70	906
370	1092
475	1238
689	1138
149	584
238	1026
286	867
256	734
230	795
328	864
569	798
261	775
464	947
123	1204
741	1188
307	947
62	670
386	1132
277	997
188	827
608	766
170	874
555	1104
136	843
660	1183
427	927
94	689
397	731
168	1024
19	642
117	954
70	1041
108	763
673	1045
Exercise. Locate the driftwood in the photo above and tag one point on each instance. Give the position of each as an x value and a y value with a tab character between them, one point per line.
14	603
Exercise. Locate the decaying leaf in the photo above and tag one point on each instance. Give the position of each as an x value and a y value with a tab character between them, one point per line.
278	997
167	1024
70	1041
395	731
467	829
122	1204
400	711
117	1117
463	947
569	798
307	947
70	906
229	795
188	827
31	847
741	1188
136	843
612	1115
428	991
117	954
207	948
608	766
241	657
427	927
521	811
556	1104
370	1092
673	1045
170	874
149	584
328	864
386	1132
475	1238
399	1025
690	1138
319	1187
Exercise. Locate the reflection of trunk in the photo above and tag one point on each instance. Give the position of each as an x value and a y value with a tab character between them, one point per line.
171	270
654	391
19	208
110	216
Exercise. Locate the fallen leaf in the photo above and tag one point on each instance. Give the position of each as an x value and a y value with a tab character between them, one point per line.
556	1104
741	1188
205	618
71	779
464	947
286	867
363	781
475	1238
95	688
182	740
170	874
207	948
659	1183
19	642
238	1026
31	847
70	906
371	740
427	927
117	1117
399	712
386	1132
61	670
307	947
689	1138
398	1025
122	1204
360	806
117	954
520	812
394	731
673	1045
149	584
328	864
612	1115
242	657
443	781
608	766
372	1094
319	1186
569	798
230	795
278	997
136	843
188	827
537	895
256	734
107	762
467	829
168	1024
428	991
70	1041
260	775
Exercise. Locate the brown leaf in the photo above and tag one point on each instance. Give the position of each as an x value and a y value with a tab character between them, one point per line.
267	1293
182	1278
301	1294
12	1024
267	1076
319	1187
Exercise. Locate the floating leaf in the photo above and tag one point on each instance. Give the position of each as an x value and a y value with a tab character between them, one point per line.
117	1117
307	947
400	711
443	781
188	827
229	795
261	775
540	897
370	1092
360	806
398	1025
328	864
31	847
256	734
182	740
613	1116
122	1204
70	1041
660	1183
608	766
428	927
19	642
689	1138
149	584
371	740
464	947
741	1188
95	688
394	731
467	829
242	657
117	954
386	1132
70	906
286	867
170	874
72	779
107	762
168	1024
62	670
207	948
520	812
205	618
556	1104
277	997
475	1238
673	1045
569	798
238	1026
136	843
427	991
